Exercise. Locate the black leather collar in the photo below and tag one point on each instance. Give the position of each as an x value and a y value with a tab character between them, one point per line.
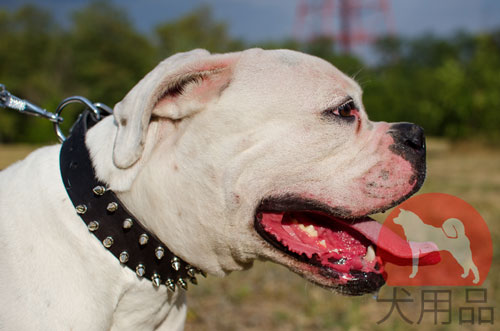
109	220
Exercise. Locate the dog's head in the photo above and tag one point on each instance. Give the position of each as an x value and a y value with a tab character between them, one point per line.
262	154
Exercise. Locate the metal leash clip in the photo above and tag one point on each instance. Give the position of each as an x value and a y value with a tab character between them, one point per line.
96	109
9	101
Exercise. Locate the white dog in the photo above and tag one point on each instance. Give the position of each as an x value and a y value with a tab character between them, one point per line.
450	237
226	158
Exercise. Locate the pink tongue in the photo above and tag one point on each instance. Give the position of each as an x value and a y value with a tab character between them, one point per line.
400	249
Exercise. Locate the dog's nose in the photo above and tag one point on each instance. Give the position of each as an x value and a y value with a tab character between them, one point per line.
408	134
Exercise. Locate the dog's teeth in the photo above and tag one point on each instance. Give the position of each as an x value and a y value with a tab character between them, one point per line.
322	243
370	254
310	230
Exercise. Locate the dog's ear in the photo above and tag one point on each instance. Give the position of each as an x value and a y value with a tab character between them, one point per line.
178	87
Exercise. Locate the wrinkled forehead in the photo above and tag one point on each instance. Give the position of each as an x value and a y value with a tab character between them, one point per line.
296	72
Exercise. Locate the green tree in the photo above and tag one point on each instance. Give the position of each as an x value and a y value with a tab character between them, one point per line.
29	43
195	30
100	56
108	55
447	85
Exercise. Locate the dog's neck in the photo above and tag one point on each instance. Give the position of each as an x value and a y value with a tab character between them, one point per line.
163	199
109	220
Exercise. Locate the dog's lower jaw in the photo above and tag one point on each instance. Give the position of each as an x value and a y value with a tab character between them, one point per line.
319	278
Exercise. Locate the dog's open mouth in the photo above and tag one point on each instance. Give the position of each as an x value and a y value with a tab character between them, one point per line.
345	253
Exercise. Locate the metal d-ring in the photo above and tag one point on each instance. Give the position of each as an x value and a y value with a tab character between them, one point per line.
96	108
102	106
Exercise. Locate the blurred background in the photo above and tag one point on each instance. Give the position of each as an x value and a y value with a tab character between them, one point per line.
434	63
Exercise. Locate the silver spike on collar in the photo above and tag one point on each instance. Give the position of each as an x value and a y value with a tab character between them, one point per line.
110	222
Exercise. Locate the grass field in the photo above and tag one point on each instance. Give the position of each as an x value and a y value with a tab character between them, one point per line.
269	297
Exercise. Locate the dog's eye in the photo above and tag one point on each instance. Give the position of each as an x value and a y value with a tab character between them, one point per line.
345	110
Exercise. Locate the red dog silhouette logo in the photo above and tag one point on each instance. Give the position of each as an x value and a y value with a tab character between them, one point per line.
448	243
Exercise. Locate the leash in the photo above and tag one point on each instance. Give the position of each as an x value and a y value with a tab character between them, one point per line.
104	214
10	101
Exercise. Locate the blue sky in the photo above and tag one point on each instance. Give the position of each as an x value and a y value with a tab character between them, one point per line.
259	20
